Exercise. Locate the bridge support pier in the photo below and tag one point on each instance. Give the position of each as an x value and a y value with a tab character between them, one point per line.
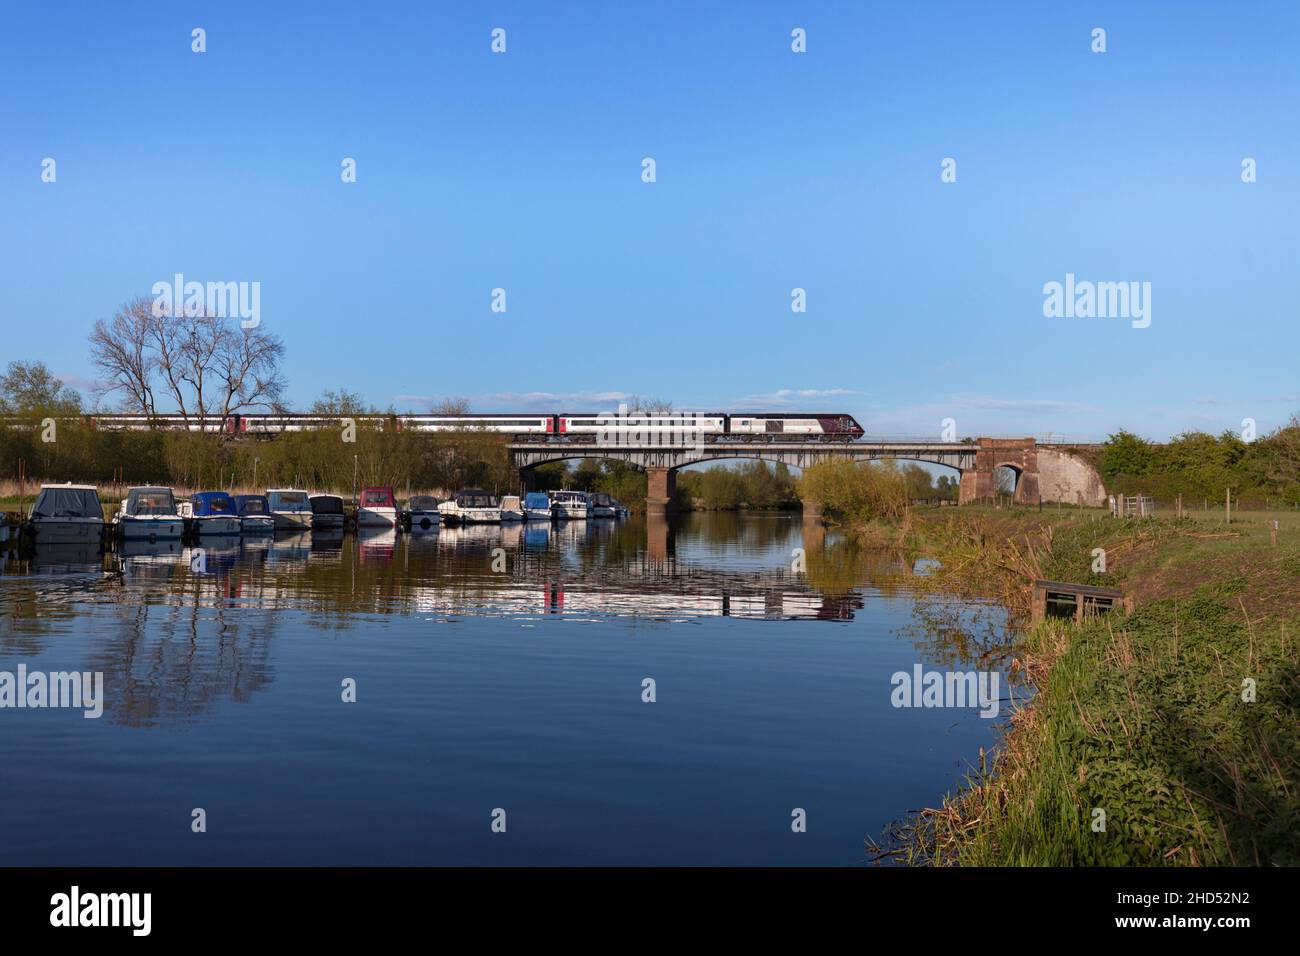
661	487
1019	454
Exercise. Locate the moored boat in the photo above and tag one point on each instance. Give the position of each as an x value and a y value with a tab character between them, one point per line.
326	512
471	506
377	508
511	508
571	504
422	513
602	505
149	513
67	514
290	508
213	514
537	506
254	514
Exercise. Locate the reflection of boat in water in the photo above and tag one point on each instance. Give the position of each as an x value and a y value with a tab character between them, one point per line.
537	536
512	535
140	548
326	540
376	544
460	536
289	547
212	557
66	557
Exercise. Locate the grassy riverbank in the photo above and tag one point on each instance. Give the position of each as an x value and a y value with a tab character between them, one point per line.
1139	718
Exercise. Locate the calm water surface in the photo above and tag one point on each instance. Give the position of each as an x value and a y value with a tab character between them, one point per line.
496	667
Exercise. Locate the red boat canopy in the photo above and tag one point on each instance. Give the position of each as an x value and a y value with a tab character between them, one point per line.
380	496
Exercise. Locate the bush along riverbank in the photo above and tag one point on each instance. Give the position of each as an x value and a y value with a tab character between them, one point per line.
1168	736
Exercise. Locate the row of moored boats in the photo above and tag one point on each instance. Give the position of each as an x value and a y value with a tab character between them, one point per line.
66	513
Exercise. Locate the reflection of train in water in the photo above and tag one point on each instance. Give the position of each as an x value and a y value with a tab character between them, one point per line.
712	426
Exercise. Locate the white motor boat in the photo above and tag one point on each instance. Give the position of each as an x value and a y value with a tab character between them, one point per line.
149	514
602	506
290	507
422	514
571	504
511	508
471	506
66	514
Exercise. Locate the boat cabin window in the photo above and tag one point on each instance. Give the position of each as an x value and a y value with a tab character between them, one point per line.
151	503
376	499
327	505
289	500
423	503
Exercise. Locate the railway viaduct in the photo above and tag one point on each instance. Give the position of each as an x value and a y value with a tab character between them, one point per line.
1044	472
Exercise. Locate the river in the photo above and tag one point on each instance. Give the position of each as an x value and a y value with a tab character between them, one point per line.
714	689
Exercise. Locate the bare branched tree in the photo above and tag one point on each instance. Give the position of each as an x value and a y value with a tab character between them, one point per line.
120	350
209	367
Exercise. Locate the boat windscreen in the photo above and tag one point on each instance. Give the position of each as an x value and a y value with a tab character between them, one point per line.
67	503
252	505
423	503
475	501
376	499
151	501
289	501
327	505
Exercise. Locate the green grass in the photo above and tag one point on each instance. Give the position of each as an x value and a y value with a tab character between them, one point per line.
1142	716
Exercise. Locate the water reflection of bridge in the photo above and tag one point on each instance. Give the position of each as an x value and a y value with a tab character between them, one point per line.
169	625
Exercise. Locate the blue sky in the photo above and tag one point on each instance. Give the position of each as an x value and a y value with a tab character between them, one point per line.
775	170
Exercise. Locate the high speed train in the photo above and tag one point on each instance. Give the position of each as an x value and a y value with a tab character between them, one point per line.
716	426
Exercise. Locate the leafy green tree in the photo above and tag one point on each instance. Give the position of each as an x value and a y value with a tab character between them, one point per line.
29	388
